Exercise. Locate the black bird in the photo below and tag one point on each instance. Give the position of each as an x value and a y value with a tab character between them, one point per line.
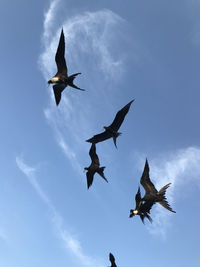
61	79
144	205
112	129
94	167
112	260
142	208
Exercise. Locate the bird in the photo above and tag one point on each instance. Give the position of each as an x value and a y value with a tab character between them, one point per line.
152	196
112	129
112	260
142	208
61	80
94	167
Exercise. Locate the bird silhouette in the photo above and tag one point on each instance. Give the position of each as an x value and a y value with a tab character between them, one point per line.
61	80
112	129
152	196
94	167
112	260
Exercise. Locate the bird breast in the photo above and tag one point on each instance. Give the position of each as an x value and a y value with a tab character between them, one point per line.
55	79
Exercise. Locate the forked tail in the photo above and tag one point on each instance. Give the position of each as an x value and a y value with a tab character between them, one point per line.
115	139
163	200
100	172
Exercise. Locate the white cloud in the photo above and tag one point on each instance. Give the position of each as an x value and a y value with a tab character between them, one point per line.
71	244
180	168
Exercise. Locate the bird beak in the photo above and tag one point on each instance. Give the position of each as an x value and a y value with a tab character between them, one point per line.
48	85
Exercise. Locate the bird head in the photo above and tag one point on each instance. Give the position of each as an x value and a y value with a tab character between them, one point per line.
49	82
133	213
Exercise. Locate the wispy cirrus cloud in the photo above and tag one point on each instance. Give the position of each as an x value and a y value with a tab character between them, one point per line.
70	243
93	47
180	168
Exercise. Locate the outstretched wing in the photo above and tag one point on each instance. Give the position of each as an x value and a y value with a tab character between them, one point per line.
119	118
112	260
145	180
93	155
57	89
99	137
138	199
90	177
60	55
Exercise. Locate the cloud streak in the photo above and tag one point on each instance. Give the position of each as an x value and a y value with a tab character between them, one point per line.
71	244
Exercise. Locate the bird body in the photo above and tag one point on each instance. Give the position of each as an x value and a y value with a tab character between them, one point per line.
112	129
94	167
61	80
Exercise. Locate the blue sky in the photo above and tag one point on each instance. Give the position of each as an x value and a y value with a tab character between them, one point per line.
149	51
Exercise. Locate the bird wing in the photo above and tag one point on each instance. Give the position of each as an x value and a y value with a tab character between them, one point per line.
112	260
146	206
90	177
57	89
60	55
99	137
138	199
145	180
93	155
119	118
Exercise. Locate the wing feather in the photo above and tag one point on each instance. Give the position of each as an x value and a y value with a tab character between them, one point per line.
119	118
60	55
57	89
138	199
90	177
145	180
99	137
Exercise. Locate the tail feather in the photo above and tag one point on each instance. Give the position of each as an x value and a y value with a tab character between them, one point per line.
100	172
166	205
163	202
163	190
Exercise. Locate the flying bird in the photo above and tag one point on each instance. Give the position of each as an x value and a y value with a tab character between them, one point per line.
94	167
112	260
152	195
61	79
112	129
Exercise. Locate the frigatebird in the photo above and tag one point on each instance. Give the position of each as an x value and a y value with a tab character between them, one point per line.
152	195
112	260
94	167
112	129
61	79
